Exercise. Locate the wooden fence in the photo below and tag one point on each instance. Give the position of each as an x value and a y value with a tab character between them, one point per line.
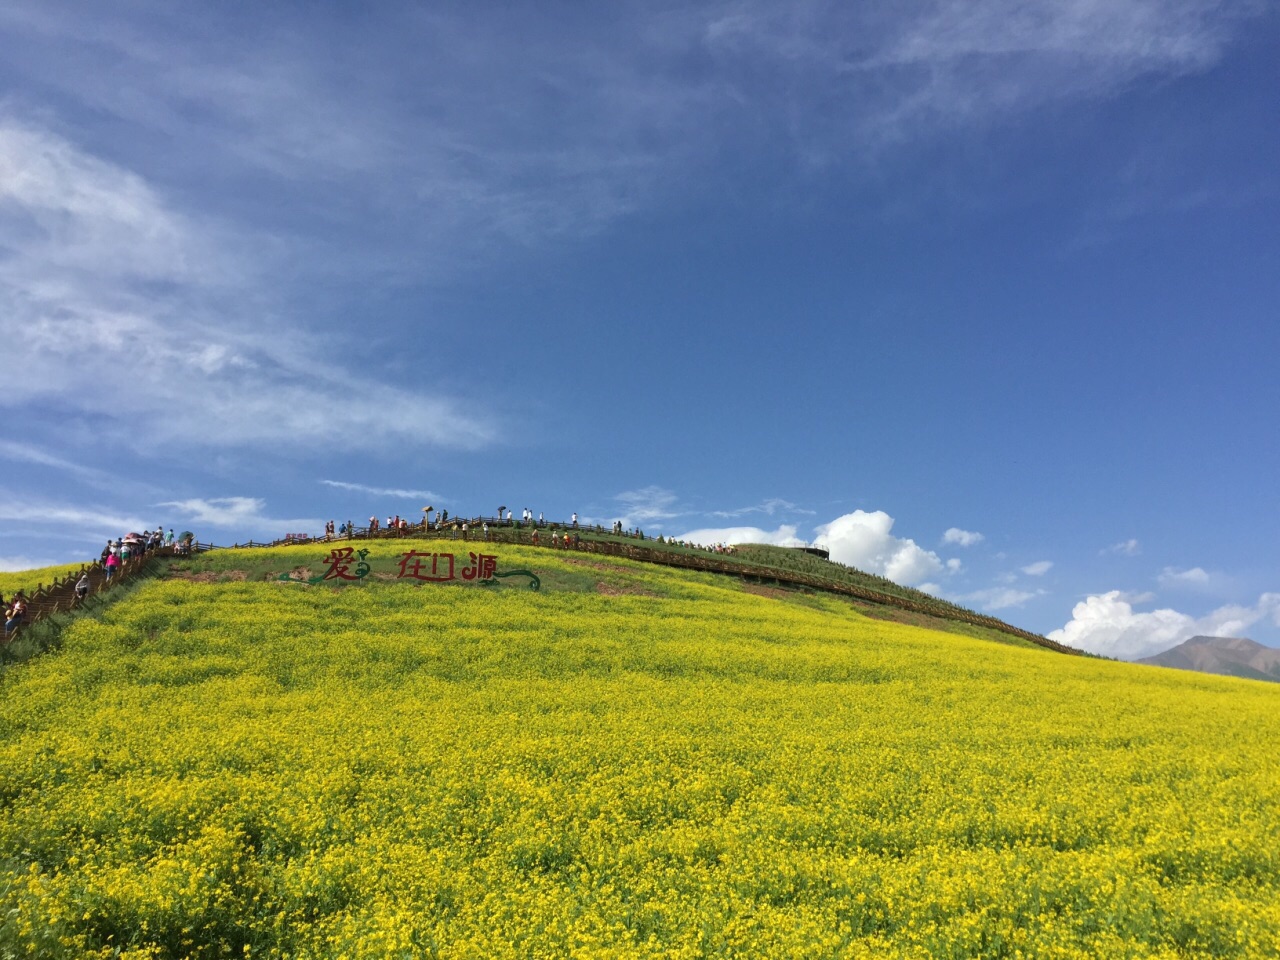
60	595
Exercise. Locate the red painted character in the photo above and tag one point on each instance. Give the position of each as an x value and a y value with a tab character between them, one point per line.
482	567
340	560
412	566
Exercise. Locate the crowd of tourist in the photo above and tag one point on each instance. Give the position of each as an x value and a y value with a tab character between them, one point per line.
565	536
541	531
110	560
117	551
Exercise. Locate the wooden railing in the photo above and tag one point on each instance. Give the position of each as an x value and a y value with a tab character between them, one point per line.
60	596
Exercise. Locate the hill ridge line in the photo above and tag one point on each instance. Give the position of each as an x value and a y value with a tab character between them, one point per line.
713	564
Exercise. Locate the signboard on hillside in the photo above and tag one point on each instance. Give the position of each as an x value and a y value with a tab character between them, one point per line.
349	565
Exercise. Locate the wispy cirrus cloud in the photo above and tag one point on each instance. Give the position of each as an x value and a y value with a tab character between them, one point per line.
768	507
1193	578
244	514
647	504
101	277
29	453
90	520
1000	598
1125	548
384	491
931	67
119	255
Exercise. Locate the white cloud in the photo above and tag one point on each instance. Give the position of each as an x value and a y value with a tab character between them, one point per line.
1172	577
19	563
784	536
955	63
384	491
92	521
1000	598
1125	548
1107	624
962	538
1038	569
768	507
954	565
244	513
931	588
102	281
865	540
646	505
28	453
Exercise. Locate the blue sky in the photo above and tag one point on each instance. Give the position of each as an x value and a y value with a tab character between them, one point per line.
983	295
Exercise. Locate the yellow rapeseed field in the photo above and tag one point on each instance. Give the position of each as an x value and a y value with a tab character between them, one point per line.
629	763
13	581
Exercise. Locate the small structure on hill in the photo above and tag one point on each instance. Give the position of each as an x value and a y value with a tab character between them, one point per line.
816	551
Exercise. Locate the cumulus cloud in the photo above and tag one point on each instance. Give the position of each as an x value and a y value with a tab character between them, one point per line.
1107	624
866	541
784	536
954	565
1038	569
962	538
1125	548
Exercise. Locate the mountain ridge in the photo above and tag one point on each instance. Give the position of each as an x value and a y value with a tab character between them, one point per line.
1227	656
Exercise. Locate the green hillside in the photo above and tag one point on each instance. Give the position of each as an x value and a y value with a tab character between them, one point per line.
631	761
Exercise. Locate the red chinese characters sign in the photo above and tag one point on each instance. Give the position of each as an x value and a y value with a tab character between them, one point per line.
341	561
347	564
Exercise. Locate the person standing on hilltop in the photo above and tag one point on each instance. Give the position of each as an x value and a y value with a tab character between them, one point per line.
13	616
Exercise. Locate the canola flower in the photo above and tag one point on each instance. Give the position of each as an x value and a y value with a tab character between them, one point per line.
671	768
27	580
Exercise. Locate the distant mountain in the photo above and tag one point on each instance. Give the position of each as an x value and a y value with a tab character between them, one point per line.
1233	656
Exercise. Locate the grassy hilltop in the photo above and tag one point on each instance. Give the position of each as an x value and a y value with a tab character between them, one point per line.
633	761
